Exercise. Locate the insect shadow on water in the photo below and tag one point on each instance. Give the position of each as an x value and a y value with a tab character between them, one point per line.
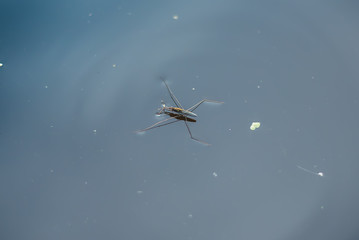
177	113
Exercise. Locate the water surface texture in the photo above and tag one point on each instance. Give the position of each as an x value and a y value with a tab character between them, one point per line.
77	78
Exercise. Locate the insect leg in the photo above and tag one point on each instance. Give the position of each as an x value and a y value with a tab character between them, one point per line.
175	100
189	131
156	124
200	102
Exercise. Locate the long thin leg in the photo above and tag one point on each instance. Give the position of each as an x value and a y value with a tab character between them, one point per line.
189	131
155	125
175	100
200	102
165	124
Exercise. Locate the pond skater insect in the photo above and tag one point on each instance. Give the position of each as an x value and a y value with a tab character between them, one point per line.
177	113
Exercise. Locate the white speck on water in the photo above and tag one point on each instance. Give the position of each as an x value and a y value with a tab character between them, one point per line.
215	174
175	17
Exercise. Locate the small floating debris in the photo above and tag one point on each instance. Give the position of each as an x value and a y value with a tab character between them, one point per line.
255	125
320	174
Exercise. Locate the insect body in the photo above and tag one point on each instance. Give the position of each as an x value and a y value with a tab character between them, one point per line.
177	113
180	111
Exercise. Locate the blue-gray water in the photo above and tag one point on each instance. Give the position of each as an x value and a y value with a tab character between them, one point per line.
79	77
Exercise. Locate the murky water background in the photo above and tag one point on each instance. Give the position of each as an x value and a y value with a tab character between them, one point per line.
79	77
